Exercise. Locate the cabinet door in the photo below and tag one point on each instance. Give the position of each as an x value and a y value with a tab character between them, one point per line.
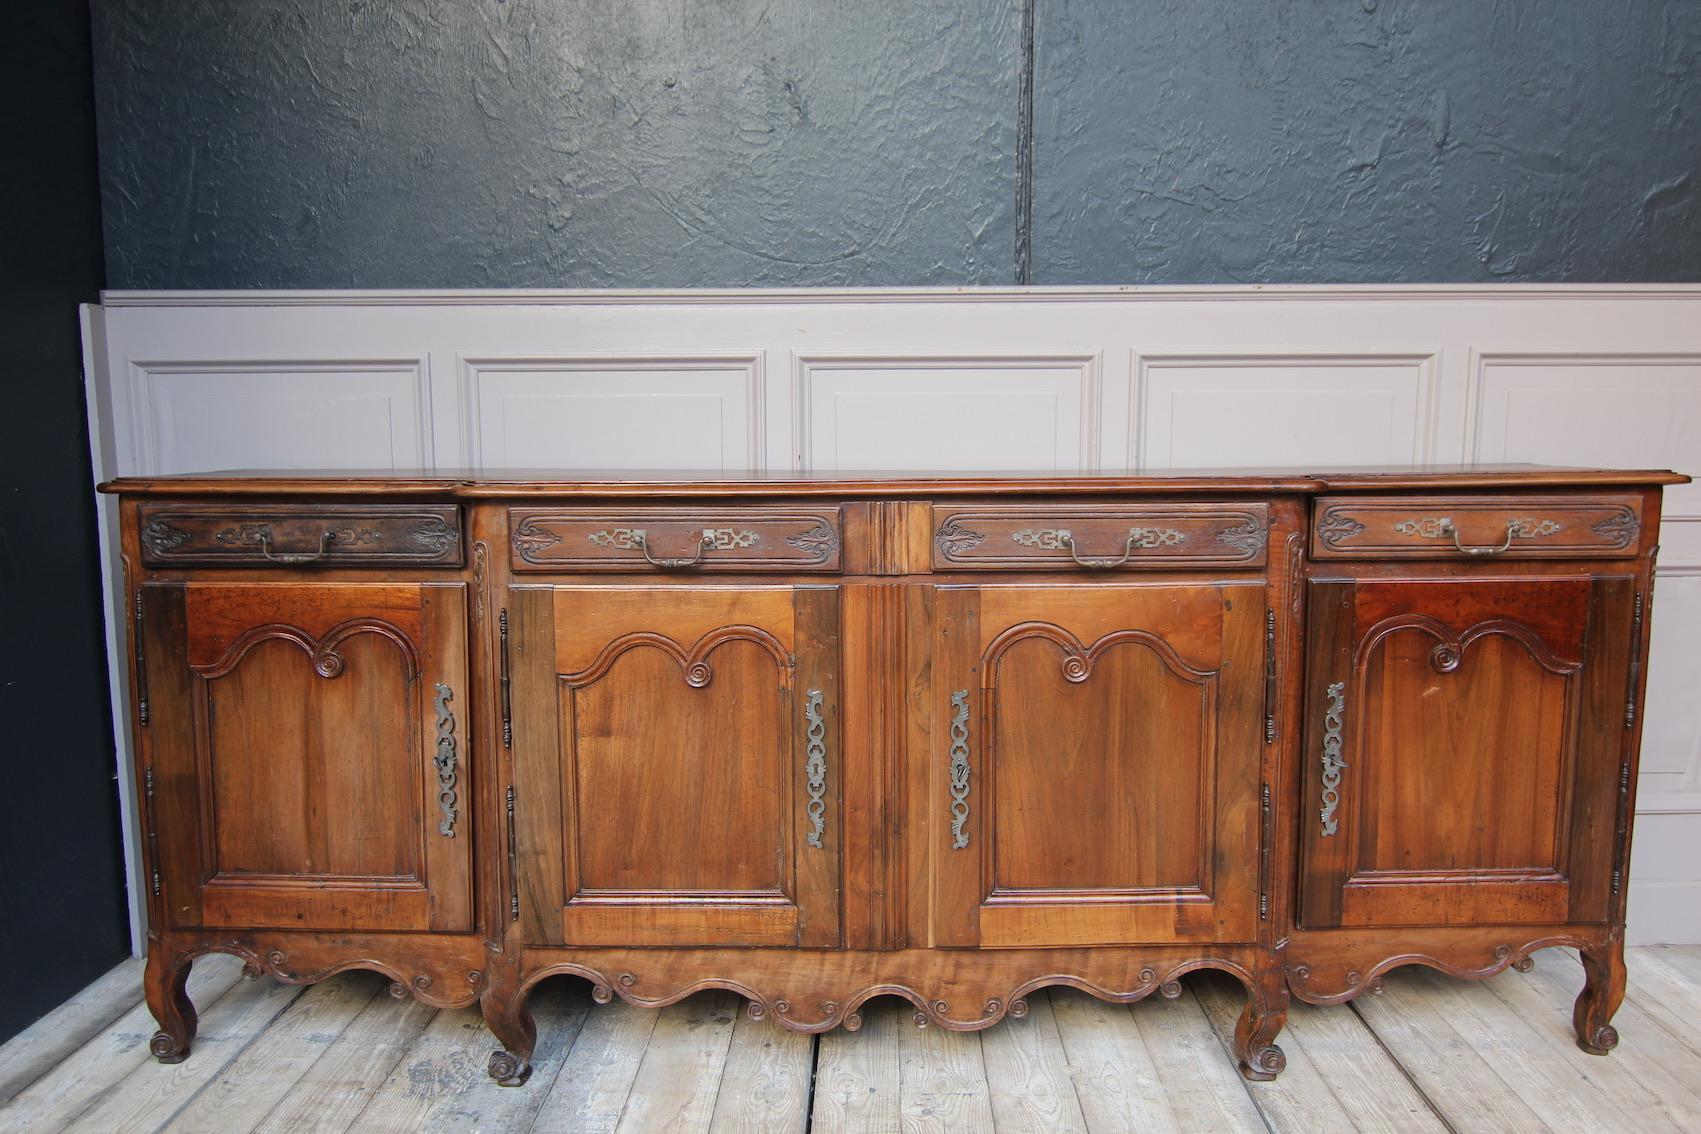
1095	763
306	761
1465	749
676	762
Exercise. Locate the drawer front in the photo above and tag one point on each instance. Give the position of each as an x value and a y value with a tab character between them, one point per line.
1077	537
1465	527
675	539
302	535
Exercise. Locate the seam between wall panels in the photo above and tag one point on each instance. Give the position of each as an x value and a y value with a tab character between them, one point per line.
1025	150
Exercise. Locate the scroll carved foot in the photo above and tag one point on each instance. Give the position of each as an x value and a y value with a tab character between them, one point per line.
1603	992
1255	1033
508	1018
164	983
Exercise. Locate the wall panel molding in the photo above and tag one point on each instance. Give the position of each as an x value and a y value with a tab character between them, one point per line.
946	397
616	385
758	296
400	387
1281	395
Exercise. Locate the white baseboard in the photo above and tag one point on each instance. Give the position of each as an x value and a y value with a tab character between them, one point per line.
1666	912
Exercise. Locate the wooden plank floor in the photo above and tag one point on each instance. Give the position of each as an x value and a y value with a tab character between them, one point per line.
1430	1054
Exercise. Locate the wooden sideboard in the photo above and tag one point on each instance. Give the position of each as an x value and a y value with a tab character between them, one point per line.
820	738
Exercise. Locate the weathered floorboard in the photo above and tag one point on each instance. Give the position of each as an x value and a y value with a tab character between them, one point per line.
1432	1053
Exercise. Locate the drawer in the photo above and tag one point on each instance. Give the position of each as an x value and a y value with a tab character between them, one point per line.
299	535
1456	527
675	539
1073	537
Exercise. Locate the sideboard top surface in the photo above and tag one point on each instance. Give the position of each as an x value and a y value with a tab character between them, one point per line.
471	484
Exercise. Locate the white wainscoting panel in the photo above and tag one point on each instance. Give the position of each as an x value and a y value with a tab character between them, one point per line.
200	415
943	413
939	379
1205	410
615	412
1603	409
1671	732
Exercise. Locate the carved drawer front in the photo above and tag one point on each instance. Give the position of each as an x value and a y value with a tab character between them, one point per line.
1084	537
301	535
1459	527
681	540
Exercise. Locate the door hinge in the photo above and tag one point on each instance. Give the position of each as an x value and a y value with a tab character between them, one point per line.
153	827
141	664
1635	663
513	863
507	703
1269	676
1266	831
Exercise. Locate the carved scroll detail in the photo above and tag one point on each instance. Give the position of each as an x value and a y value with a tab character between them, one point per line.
435	535
1078	658
481	587
1332	762
1337	526
819	541
694	660
954	539
322	651
959	768
1245	538
532	537
160	537
1621	527
445	761
815	766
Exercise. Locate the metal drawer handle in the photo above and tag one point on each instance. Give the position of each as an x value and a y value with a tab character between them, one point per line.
672	563
1098	564
1516	529
1482	548
293	558
712	539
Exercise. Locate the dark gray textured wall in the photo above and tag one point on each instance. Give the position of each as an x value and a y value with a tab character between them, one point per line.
430	143
345	143
61	866
1351	140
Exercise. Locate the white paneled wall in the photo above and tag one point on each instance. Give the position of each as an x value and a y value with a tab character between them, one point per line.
1060	379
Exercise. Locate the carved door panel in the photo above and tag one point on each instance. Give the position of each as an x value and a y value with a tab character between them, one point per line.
1465	756
305	754
676	760
1095	763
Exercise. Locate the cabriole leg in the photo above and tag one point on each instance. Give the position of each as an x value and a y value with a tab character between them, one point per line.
508	1018
164	983
1255	1033
1603	992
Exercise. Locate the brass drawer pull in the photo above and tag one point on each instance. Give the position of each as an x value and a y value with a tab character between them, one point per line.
263	537
712	539
1516	529
1049	538
1094	563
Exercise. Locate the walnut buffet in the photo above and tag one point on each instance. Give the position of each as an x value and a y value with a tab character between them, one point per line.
815	739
